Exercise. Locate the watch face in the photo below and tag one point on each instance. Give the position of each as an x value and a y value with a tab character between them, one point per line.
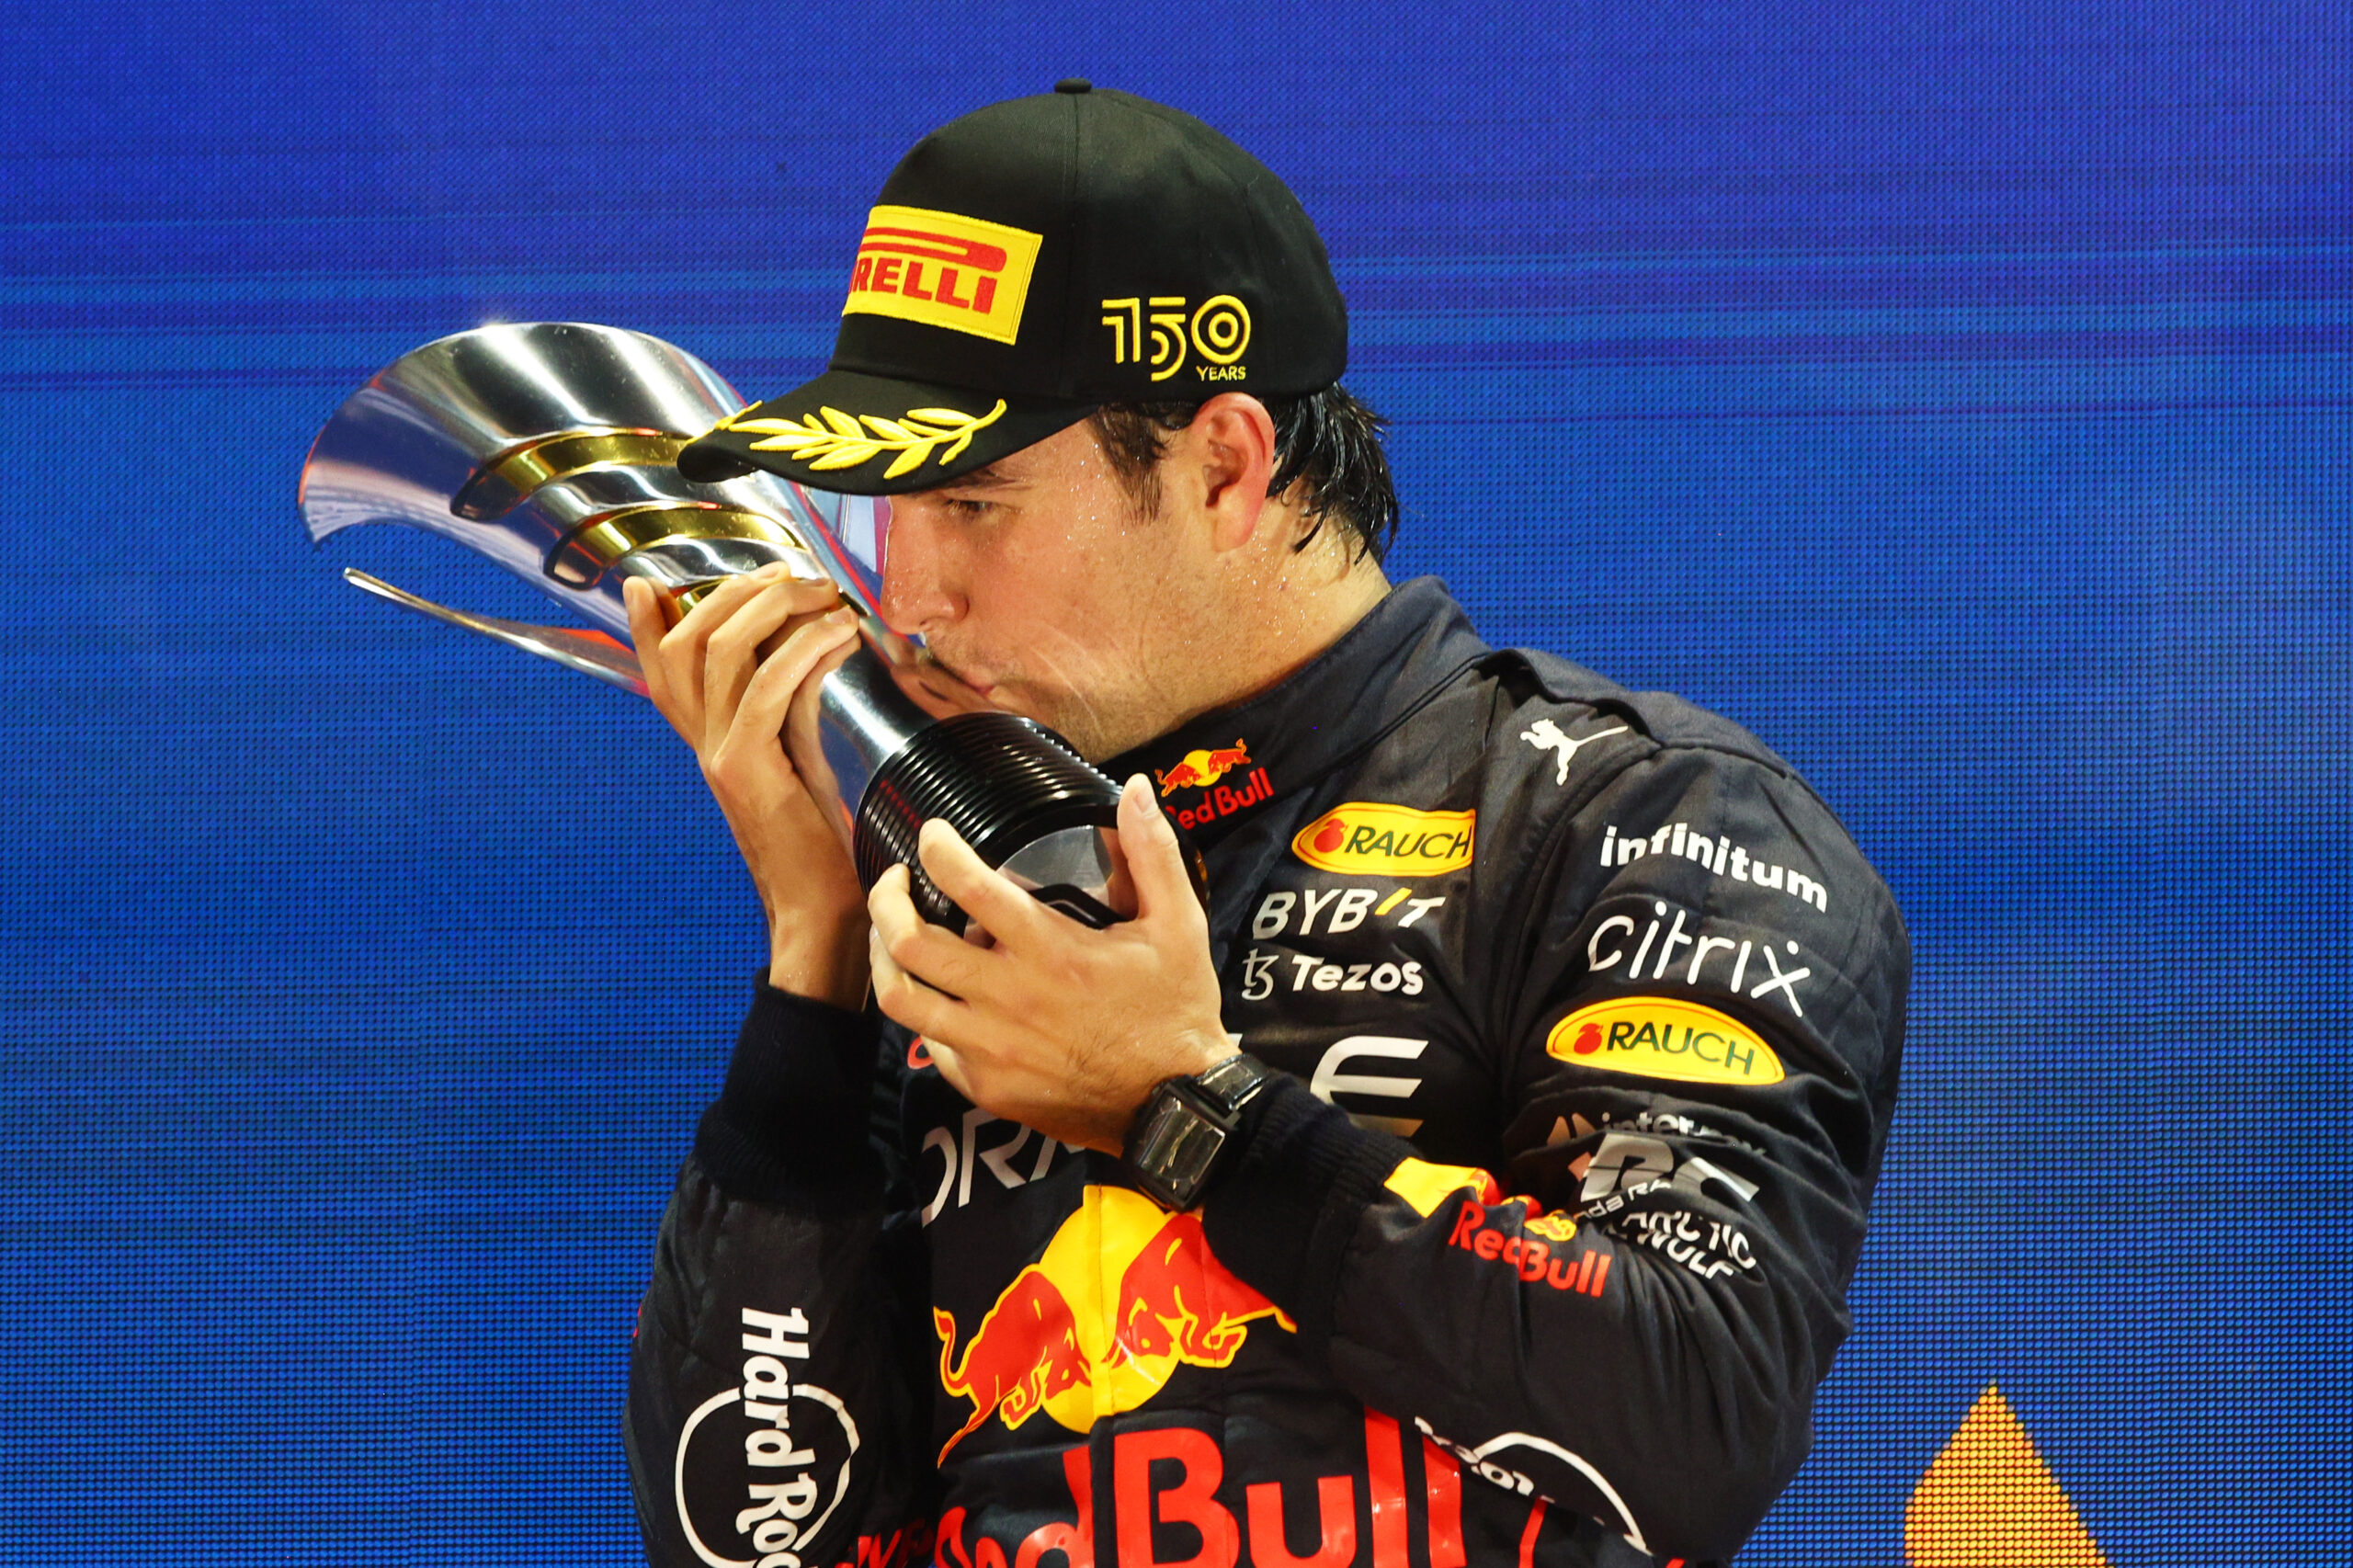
1173	1148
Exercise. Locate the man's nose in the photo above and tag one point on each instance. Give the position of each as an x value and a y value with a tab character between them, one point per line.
918	595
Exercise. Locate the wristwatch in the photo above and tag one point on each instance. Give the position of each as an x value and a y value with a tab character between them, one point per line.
1183	1127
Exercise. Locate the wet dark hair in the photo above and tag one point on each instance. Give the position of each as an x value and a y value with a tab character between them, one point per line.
1326	441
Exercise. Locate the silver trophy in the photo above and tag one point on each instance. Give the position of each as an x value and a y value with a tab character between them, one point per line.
550	448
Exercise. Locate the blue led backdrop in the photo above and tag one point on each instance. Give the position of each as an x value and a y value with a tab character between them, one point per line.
1954	394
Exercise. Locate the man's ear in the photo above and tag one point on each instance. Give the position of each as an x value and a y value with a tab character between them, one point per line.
1231	447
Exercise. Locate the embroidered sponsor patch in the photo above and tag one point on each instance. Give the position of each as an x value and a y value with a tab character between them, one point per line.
943	270
1657	1038
1368	838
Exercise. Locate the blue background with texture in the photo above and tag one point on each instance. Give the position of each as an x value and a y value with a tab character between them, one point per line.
1956	393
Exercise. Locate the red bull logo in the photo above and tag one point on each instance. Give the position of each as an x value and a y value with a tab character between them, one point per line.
1057	1340
1200	768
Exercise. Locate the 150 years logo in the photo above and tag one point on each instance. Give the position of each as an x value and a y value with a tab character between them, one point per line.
1217	331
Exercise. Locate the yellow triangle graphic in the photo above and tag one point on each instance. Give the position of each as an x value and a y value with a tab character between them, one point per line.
1989	1501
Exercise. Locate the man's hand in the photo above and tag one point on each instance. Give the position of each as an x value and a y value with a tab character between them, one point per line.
1058	1026
724	677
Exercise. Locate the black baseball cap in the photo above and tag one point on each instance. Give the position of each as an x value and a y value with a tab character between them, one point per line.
1026	264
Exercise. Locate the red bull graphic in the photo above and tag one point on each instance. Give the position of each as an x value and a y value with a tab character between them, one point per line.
1025	1352
1057	1340
1074	1540
1173	1475
1178	1301
1200	768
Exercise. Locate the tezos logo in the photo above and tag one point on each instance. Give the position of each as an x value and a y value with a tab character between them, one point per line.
1657	1038
1367	838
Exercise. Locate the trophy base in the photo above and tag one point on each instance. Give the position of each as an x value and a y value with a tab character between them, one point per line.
1025	802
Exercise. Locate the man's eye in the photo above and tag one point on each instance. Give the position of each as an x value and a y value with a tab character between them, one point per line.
970	509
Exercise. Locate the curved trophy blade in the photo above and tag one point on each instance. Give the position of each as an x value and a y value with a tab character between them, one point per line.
590	653
551	449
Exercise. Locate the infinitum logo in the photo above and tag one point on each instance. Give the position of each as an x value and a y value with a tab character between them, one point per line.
1719	854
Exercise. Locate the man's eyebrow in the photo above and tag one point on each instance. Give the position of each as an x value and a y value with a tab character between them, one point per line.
989	478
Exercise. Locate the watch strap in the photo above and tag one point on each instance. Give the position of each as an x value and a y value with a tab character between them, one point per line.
1233	1081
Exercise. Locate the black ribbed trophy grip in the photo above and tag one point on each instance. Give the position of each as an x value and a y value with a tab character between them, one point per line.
1000	781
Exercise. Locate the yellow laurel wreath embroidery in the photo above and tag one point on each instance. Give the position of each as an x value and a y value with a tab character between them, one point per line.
832	439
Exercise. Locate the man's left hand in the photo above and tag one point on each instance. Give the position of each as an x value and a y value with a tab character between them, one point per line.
1057	1026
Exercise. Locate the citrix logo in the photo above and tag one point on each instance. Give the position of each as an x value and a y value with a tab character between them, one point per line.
1611	935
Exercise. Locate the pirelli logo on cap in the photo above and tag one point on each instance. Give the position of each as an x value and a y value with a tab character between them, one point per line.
943	271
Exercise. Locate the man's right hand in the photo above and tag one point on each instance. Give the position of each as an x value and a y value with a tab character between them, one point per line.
724	677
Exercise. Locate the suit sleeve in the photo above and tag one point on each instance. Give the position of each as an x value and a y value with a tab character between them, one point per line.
1696	1049
769	1418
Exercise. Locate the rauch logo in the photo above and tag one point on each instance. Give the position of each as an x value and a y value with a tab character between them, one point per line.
1368	838
1657	1038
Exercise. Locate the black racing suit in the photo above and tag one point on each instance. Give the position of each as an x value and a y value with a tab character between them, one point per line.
1590	1014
